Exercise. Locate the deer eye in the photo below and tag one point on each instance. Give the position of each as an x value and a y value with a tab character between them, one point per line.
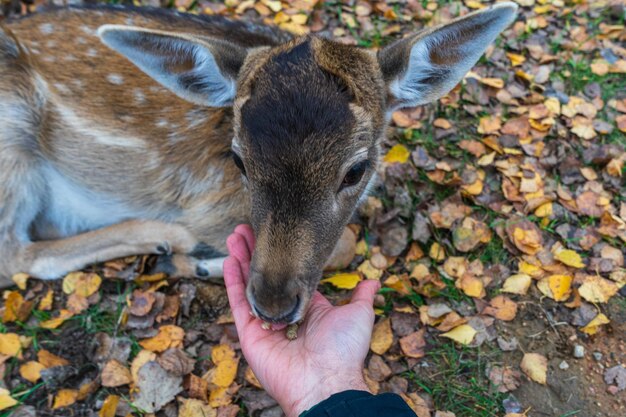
239	163
354	174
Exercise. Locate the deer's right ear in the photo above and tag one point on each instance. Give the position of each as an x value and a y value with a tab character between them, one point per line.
423	67
201	70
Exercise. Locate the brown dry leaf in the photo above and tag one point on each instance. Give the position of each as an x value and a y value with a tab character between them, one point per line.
10	344
155	387
50	360
86	389
413	344
31	371
451	321
489	125
463	334
57	321
504	378
176	361
517	284
252	379
527	240
142	302
109	406
168	336
65	398
502	308
76	304
535	366
115	374
195	408
16	309
226	362
596	289
197	387
417	404
382	337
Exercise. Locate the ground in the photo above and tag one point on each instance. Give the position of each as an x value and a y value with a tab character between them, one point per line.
497	228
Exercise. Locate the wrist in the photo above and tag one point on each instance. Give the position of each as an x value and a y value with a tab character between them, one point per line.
324	390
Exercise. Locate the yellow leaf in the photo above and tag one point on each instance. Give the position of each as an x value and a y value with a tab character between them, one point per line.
517	284
530	269
569	258
346	281
535	366
592	327
382	337
463	334
596	289
114	374
474	4
223	356
46	302
219	397
69	282
6	401
50	360
31	371
492	82
10	344
65	398
109	406
87	284
486	159
191	407
516	59
168	336
398	153
274	5
20	280
367	269
544	210
437	252
57	321
489	125
471	286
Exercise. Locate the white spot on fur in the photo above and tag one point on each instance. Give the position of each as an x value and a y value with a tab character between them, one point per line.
115	79
195	118
162	123
92	52
80	40
140	97
49	58
89	31
46	28
78	84
69	57
51	44
62	88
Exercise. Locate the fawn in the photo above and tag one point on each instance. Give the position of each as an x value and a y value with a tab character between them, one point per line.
138	131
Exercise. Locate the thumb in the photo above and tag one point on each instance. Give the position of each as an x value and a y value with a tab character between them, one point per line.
365	292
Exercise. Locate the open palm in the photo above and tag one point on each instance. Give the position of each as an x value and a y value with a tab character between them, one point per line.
328	355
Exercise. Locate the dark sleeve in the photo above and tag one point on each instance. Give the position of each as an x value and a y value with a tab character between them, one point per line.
361	404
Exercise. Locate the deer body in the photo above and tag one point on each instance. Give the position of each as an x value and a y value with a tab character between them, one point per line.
118	127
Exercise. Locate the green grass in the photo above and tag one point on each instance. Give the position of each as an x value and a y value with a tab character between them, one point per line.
457	383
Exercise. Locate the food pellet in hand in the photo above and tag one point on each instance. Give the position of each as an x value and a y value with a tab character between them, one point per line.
266	325
292	331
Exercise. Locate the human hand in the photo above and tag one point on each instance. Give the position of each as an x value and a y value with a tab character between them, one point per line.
328	355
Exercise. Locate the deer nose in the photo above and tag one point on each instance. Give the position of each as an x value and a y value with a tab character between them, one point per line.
288	318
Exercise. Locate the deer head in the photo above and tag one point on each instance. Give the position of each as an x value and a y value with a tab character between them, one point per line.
309	116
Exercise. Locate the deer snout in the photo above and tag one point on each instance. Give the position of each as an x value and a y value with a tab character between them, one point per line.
276	301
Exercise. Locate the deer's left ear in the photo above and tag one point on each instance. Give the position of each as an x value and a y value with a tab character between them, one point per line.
423	67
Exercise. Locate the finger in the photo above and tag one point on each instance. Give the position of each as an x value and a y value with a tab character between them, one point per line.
365	292
246	231
238	248
319	300
236	289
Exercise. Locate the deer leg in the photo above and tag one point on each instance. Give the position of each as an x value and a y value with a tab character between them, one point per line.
53	259
203	262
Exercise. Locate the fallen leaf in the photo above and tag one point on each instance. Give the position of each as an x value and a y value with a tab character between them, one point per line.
557	287
115	374
50	360
463	334
382	337
46	302
31	371
109	406
346	281
176	361
413	344
10	344
64	398
437	252
197	387
6	401
168	336
471	286
397	154
142	302
190	407
569	258
596	289
535	366
226	362
57	321
593	326
370	272
20	280
517	284
144	356
155	387
252	379
504	378
502	308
